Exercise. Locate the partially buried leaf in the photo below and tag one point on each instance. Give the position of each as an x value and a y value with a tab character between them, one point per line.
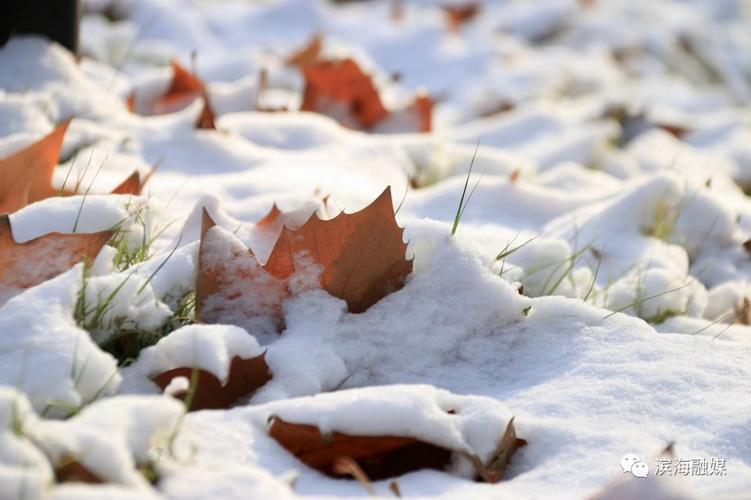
496	466
379	457
185	88
362	254
133	184
26	176
23	265
244	378
457	15
308	55
360	258
72	471
331	85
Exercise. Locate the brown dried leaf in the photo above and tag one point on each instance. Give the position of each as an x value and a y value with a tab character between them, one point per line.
343	83
271	217
361	255
458	15
134	184
379	457
183	90
308	55
743	312
72	471
244	378
23	265
26	176
496	466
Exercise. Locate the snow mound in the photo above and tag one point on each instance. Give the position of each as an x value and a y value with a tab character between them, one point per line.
111	438
46	355
24	470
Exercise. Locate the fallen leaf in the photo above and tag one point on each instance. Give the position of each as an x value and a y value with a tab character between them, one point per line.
185	88
458	15
333	84
23	265
244	378
379	457
26	176
130	102
308	55
493	471
134	184
424	106
396	12
271	217
743	312
71	471
361	258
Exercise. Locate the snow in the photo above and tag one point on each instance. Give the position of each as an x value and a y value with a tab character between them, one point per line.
609	144
74	214
46	355
111	437
24	471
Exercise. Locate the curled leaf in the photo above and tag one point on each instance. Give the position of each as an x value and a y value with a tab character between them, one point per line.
379	457
244	378
185	87
495	468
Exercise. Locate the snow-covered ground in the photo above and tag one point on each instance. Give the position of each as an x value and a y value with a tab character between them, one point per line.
596	288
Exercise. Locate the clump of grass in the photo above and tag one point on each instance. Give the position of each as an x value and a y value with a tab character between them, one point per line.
127	344
127	254
665	219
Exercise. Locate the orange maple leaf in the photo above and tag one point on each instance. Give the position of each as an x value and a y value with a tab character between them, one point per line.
308	55
343	83
422	107
361	257
23	265
185	88
134	184
26	176
457	15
